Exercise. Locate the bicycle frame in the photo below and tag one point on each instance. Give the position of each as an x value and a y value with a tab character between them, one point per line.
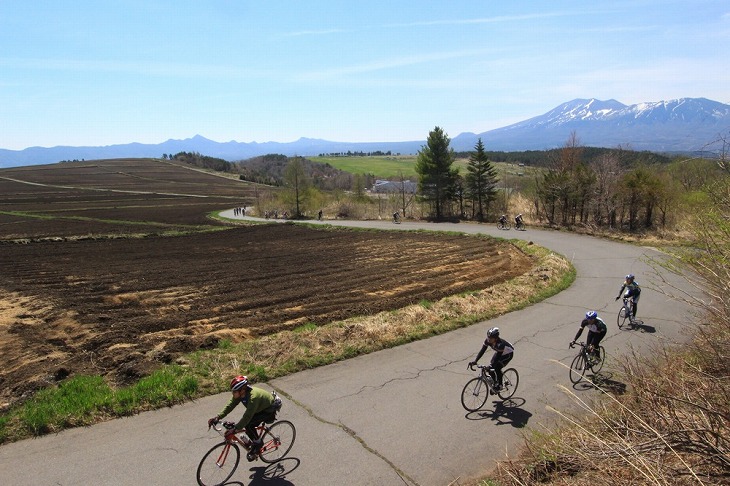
627	306
246	444
625	313
584	361
474	394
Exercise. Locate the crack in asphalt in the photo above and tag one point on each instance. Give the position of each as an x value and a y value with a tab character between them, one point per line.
352	433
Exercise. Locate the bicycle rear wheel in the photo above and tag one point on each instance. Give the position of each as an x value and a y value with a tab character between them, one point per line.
622	317
218	464
598	366
577	369
510	380
278	441
474	395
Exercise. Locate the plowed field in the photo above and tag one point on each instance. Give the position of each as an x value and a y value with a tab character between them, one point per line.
121	306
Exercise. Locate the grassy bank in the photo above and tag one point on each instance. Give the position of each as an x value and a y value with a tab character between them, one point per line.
84	400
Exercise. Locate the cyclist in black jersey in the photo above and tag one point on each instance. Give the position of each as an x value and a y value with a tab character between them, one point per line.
503	353
596	331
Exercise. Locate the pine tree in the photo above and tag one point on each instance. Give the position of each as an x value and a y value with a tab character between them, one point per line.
437	177
481	180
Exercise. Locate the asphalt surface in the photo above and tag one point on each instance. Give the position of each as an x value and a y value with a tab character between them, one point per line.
393	417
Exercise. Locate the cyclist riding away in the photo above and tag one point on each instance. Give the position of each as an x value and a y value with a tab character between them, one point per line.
261	406
596	331
518	220
633	292
504	352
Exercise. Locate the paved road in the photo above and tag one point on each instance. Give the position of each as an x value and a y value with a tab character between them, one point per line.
392	417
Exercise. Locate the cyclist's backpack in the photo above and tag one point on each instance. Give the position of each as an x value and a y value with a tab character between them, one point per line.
276	406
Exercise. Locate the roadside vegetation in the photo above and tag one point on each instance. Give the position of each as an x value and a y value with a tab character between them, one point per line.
84	400
672	426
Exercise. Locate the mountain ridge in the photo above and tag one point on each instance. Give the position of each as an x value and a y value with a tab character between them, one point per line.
679	125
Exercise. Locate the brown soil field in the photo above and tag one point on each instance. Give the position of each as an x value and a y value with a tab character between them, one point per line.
119	306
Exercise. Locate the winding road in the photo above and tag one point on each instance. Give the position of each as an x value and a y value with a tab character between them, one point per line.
393	417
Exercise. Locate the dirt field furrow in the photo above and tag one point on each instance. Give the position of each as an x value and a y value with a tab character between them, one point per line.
111	295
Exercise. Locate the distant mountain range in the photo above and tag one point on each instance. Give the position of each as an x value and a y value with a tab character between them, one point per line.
682	125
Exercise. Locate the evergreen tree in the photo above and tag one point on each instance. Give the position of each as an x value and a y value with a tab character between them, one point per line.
481	180
437	177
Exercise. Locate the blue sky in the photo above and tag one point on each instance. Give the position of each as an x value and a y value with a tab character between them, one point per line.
102	73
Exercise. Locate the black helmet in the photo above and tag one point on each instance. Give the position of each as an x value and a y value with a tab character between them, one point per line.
493	332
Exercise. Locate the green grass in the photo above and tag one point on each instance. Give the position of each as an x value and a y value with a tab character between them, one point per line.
383	167
84	400
310	326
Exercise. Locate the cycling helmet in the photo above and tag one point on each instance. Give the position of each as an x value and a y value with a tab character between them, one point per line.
238	383
630	276
591	314
493	332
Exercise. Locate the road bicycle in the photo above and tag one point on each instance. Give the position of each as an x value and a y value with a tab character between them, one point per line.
585	361
625	314
476	391
220	462
503	225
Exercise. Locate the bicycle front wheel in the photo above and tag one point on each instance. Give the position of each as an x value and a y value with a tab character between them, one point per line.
277	441
474	395
510	380
218	464
598	365
622	317
577	369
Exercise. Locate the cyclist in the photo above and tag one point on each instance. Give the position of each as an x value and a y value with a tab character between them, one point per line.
518	221
396	217
633	292
503	219
596	331
261	406
503	354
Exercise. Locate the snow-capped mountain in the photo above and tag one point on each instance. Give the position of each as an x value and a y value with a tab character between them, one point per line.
682	125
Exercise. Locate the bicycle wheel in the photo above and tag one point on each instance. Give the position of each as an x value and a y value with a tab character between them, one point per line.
510	380
577	368
218	464
598	366
278	441
474	395
622	317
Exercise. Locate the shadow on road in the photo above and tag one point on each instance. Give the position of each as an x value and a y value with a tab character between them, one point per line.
274	474
507	412
605	382
640	326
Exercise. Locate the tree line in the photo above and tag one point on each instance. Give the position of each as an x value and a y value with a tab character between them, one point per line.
601	188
